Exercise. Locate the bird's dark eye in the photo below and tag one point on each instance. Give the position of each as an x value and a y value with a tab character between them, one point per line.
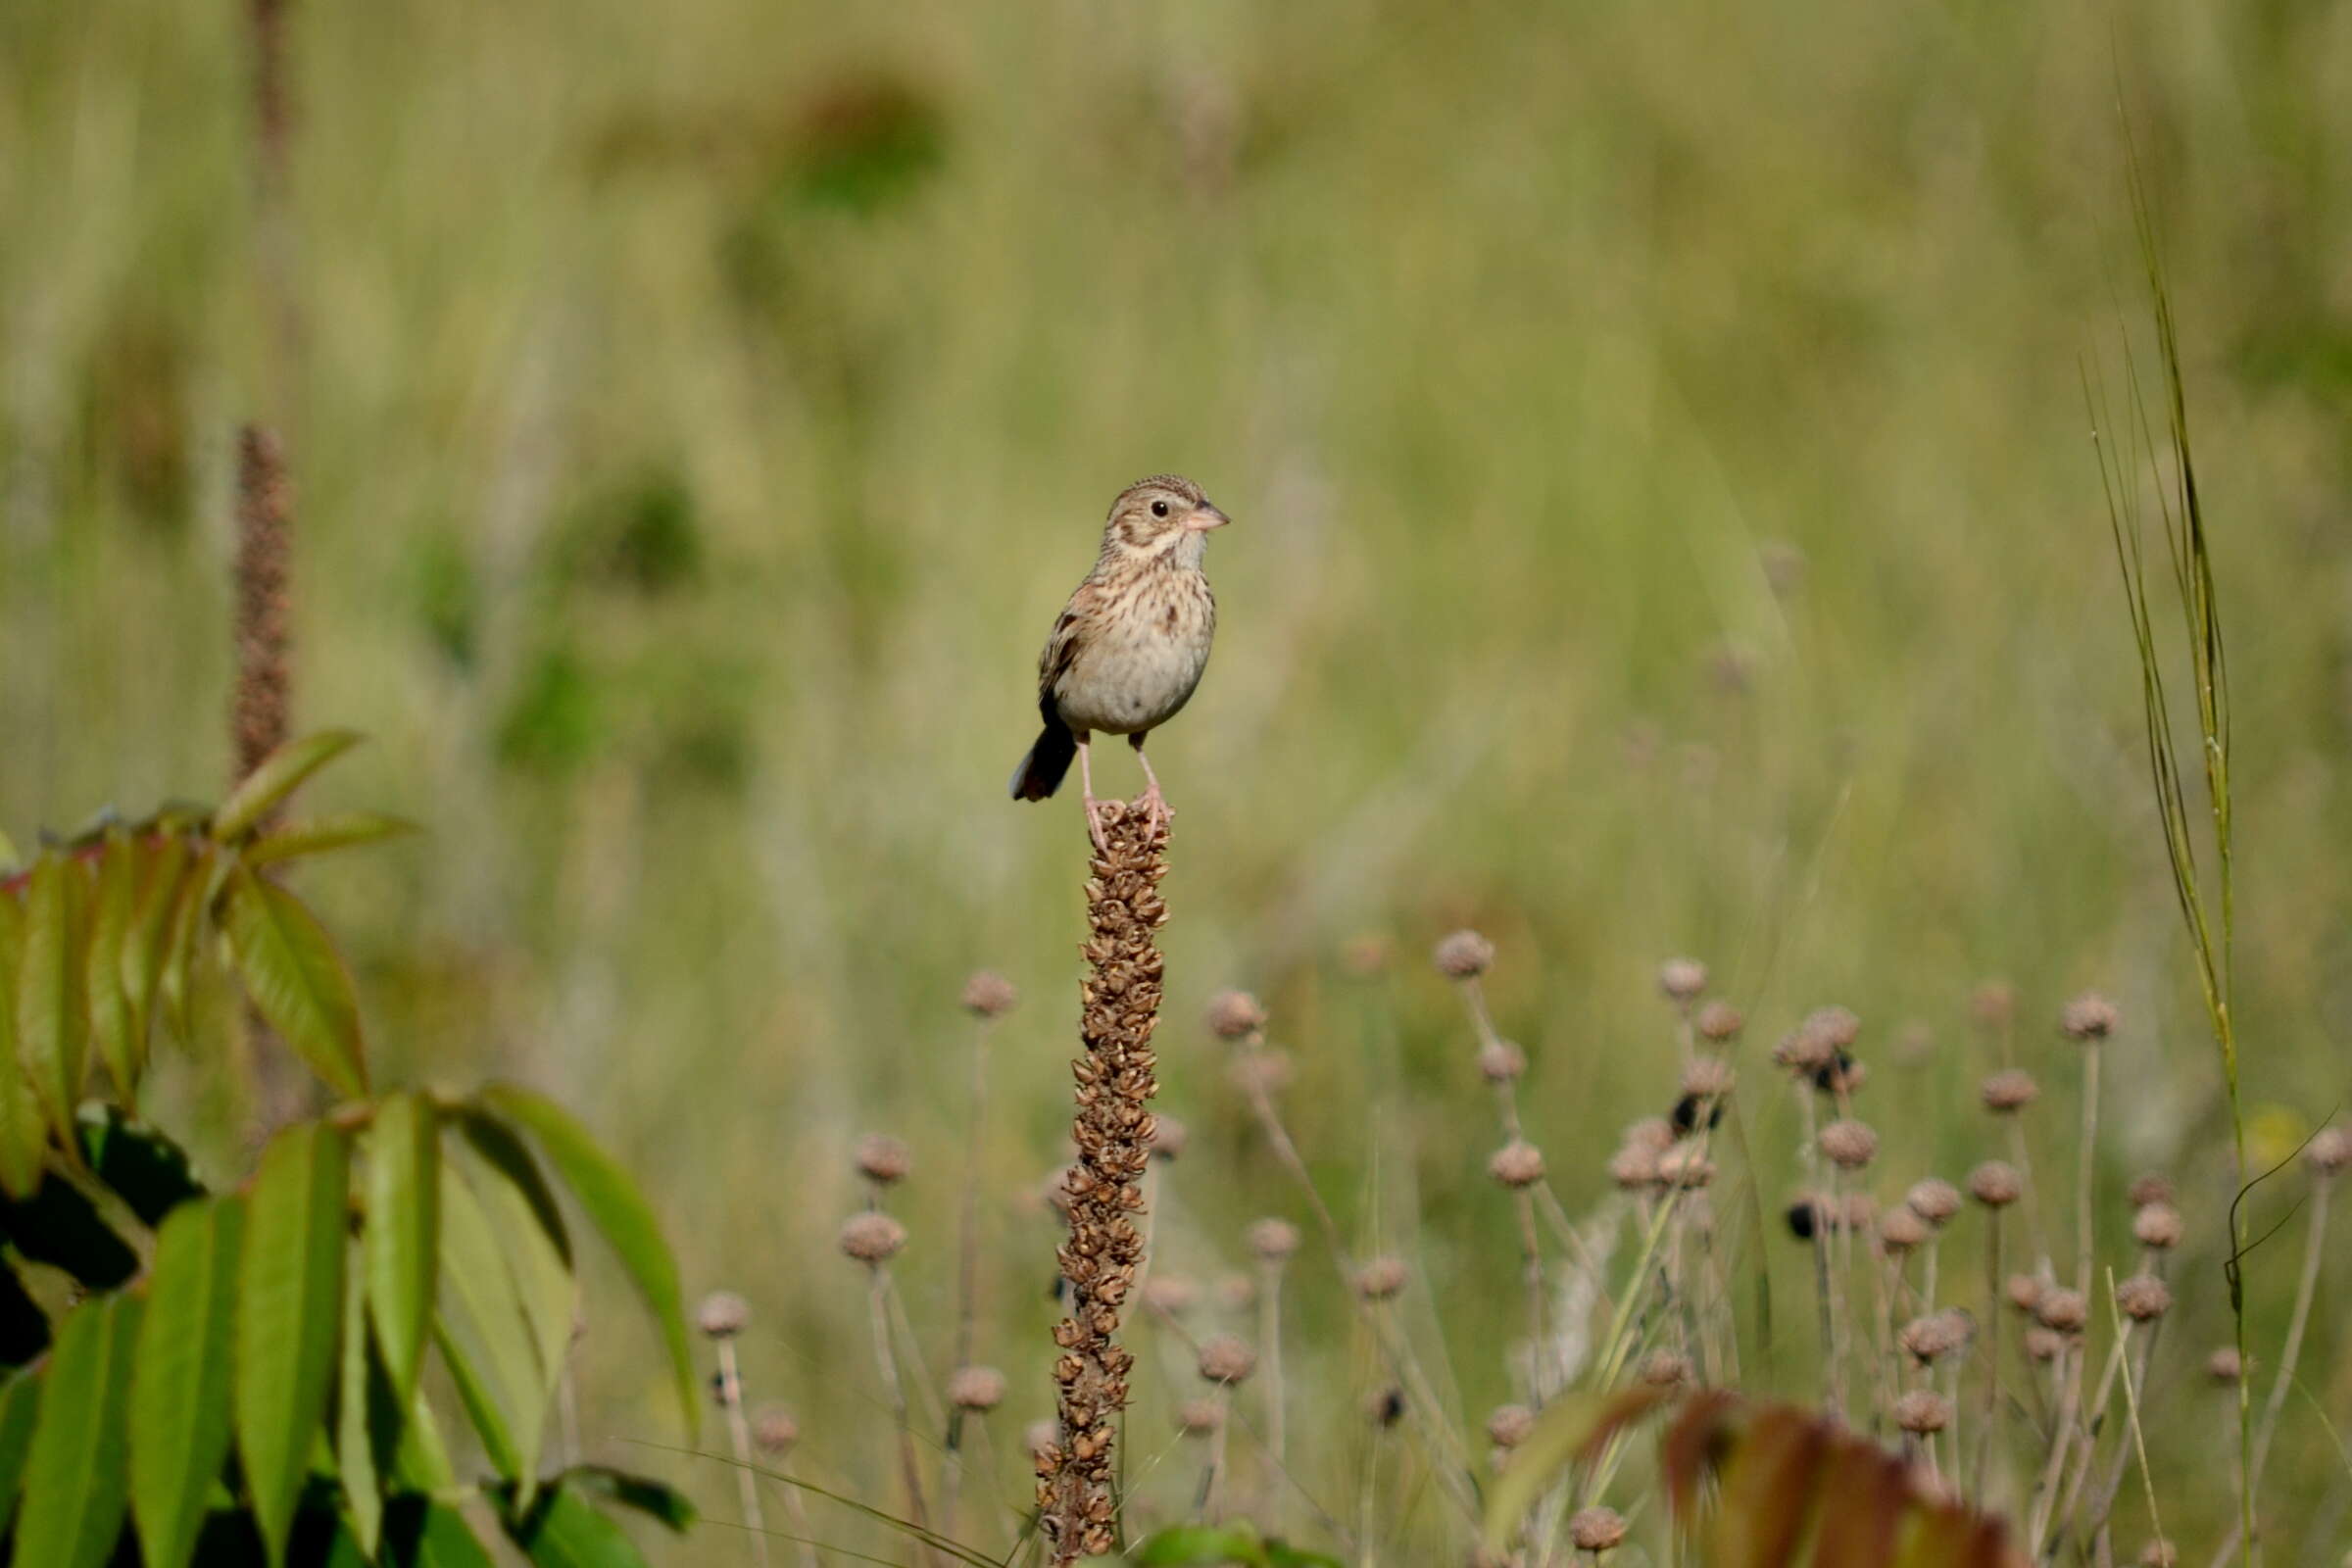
1159	508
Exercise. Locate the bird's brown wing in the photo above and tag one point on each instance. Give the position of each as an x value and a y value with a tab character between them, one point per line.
1069	635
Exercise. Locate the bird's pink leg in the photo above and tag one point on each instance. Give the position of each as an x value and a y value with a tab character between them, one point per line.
1154	803
1094	808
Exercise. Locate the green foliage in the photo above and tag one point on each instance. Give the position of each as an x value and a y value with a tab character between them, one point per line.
238	1378
1237	1543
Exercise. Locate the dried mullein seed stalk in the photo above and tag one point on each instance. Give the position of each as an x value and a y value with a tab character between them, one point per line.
1113	1130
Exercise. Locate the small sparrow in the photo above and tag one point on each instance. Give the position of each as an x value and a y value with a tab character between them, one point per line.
1132	642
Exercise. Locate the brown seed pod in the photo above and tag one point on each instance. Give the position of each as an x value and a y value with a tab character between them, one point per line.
1922	1411
1464	956
873	1237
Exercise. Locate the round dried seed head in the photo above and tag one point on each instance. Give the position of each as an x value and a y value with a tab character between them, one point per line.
873	1237
1168	1137
1923	1412
1682	979
2158	1554
1835	1028
1595	1529
1040	1437
774	1429
975	1388
2225	1366
2150	1189
2061	1309
2023	1292
1802	1053
2089	1016
2043	1345
1516	1164
1842	1074
1235	1292
2143	1298
722	1314
1849	1143
1198	1418
1685	1165
1934	1200
1665	1369
1934	1337
1653	1133
1634	1168
1235	1015
1900	1229
1508	1425
1227	1359
1272	1240
2157	1225
1381	1278
1171	1294
2011	1089
1464	955
1709	1077
1995	1184
1717	1022
1501	1062
883	1159
1914	1043
989	995
2329	1152
1993	1004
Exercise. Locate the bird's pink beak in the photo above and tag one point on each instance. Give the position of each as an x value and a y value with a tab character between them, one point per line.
1205	516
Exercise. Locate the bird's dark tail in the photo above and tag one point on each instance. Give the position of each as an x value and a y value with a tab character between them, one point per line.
1049	762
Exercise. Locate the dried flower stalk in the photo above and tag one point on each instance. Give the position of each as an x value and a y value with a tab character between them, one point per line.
259	714
1112	1128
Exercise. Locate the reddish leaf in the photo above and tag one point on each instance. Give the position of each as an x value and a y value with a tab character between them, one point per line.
1865	1494
1768	1489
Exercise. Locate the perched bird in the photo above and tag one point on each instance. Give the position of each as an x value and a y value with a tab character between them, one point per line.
1132	642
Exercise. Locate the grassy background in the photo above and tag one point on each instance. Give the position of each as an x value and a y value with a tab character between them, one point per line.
702	408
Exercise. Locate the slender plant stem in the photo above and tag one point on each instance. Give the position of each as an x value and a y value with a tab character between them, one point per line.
739	1434
2315	1246
909	1470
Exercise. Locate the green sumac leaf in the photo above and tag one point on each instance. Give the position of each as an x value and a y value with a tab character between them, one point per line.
23	1131
522	1210
52	1025
147	1170
20	1412
656	1499
160	870
112	1027
175	979
279	774
486	1335
295	977
367	1429
289	1300
620	1212
402	1237
179	1390
77	1476
420	1533
564	1530
1201	1545
319	834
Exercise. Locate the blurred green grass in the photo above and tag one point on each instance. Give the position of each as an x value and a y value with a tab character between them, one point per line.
703	410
